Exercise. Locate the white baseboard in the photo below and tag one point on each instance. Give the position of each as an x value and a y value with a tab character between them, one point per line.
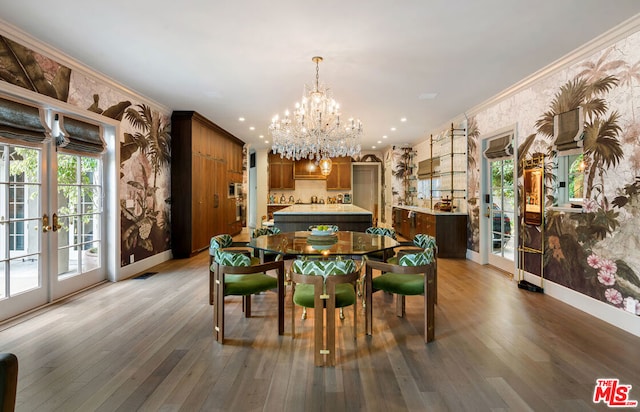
143	265
474	256
624	320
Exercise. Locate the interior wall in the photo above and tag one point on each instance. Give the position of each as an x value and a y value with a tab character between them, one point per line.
262	181
594	253
144	164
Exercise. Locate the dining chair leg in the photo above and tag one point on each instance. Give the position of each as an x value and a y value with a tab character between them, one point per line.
429	307
246	301
368	293
331	333
218	309
281	292
435	280
212	280
318	332
400	301
355	321
293	312
211	286
293	320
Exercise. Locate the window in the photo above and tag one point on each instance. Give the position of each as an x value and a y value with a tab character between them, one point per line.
570	180
426	185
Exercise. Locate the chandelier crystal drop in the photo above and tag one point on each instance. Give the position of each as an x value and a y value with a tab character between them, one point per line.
315	129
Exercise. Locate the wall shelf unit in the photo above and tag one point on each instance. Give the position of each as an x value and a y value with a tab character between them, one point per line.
410	180
448	170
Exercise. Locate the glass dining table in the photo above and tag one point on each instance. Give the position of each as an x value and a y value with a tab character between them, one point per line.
341	243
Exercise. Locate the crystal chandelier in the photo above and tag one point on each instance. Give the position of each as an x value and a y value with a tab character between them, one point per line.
314	129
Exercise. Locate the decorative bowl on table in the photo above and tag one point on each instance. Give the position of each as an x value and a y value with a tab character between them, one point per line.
322	230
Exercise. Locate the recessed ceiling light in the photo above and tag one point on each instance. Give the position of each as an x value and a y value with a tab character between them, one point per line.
403	119
266	141
379	141
241	119
427	96
373	147
384	137
261	136
252	128
393	129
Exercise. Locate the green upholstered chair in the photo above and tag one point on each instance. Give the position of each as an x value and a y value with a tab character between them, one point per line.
8	381
420	242
222	242
261	231
265	231
236	276
324	284
413	275
382	231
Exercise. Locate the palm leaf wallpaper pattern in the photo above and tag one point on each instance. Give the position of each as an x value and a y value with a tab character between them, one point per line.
145	219
30	70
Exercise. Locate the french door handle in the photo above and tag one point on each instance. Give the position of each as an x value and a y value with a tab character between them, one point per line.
45	223
56	225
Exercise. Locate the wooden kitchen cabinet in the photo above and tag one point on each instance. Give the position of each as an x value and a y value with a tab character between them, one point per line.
340	176
307	169
281	173
204	160
450	230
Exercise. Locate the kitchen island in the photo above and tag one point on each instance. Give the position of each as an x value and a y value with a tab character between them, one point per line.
449	228
345	216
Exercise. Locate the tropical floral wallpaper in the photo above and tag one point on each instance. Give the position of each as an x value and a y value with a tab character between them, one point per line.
400	166
145	143
596	251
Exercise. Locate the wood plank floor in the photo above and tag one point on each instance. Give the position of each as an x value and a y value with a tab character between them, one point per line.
148	345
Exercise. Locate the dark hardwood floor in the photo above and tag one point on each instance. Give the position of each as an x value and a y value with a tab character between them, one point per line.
148	345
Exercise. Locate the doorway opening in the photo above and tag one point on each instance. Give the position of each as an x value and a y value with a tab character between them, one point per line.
367	189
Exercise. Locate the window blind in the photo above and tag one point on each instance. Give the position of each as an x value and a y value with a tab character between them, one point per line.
429	168
80	137
500	148
20	121
568	129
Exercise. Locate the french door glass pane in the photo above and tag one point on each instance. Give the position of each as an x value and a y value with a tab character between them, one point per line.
502	210
3	279
20	222
80	213
24	274
91	257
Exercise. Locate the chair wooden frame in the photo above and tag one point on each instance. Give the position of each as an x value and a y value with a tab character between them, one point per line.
324	296
218	305
9	381
429	293
213	267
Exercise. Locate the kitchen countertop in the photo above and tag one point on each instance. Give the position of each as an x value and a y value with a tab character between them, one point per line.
320	209
305	203
429	211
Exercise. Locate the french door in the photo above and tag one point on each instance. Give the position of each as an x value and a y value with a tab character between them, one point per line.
501	214
51	225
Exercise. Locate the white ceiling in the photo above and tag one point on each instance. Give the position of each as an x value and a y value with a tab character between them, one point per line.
251	59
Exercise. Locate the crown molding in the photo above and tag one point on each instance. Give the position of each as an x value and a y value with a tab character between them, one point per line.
12	32
46	102
623	30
